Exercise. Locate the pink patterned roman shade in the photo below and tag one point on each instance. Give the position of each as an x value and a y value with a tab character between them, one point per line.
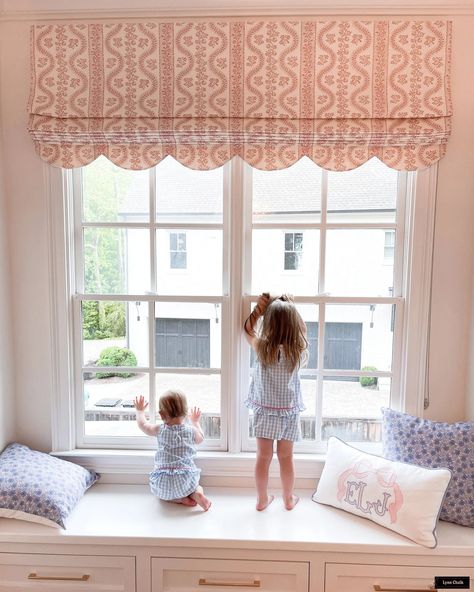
269	91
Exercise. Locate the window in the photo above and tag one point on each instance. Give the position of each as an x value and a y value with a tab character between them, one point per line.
293	249
389	246
139	328
178	250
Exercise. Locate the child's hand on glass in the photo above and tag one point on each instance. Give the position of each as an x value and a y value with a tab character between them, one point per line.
194	414
140	403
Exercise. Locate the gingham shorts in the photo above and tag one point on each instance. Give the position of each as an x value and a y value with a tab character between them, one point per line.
276	427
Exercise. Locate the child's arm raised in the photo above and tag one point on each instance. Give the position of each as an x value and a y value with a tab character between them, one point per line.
251	321
150	429
194	418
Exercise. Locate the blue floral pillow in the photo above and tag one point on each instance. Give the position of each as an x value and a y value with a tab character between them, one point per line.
436	444
38	487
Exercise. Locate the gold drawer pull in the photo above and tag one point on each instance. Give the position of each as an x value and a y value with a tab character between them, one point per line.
377	588
84	578
254	584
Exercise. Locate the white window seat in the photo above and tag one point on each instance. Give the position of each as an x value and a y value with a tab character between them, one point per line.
121	539
113	514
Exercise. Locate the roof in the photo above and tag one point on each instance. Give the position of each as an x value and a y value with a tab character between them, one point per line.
371	187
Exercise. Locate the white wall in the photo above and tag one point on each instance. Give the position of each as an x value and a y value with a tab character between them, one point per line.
7	411
28	243
470	379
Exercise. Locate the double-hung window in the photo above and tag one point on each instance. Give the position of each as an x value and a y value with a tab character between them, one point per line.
166	263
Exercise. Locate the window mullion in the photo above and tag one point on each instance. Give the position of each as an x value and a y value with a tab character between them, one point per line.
320	374
152	403
237	285
245	231
77	204
396	386
151	349
322	233
153	266
400	234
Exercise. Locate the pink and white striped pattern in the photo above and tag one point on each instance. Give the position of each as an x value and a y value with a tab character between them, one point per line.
270	92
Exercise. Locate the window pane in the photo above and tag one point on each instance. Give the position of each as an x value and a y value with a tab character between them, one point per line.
365	194
291	261
201	390
289	242
352	411
173	241
188	335
114	333
116	261
185	195
108	405
181	241
298	241
358	336
177	260
269	263
113	194
356	264
203	270
288	195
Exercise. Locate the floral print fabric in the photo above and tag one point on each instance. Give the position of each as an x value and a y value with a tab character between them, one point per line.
269	91
436	444
39	487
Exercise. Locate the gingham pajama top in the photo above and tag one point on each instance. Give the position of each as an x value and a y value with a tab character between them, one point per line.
275	389
175	474
276	400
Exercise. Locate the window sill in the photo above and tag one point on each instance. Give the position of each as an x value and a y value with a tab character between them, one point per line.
219	465
218	468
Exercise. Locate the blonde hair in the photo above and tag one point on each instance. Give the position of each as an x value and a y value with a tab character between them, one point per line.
282	326
173	404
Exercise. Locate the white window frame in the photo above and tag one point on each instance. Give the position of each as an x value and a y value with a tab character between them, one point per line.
153	225
410	384
323	299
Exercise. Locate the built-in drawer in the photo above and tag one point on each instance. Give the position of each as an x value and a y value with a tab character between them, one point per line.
381	578
66	573
209	575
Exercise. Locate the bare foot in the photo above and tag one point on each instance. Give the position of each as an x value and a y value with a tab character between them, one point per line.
262	504
186	501
290	502
201	499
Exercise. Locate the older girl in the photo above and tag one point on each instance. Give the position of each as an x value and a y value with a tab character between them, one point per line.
275	391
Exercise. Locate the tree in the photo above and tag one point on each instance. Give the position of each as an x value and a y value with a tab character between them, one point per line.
104	187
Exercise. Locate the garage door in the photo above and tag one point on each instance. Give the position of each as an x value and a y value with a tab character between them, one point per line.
342	346
183	343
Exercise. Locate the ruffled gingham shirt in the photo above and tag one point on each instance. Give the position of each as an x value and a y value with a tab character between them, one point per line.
275	390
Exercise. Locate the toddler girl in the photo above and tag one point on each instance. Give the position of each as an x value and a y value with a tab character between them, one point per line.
175	477
275	390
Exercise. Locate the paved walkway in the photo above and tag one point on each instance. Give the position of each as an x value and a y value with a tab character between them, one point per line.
342	399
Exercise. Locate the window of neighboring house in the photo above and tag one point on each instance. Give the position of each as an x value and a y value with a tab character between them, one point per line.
389	245
178	256
140	329
293	250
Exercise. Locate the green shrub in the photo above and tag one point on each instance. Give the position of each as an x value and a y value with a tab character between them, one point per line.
369	381
116	356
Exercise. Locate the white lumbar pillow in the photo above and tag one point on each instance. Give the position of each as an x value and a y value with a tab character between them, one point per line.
400	496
